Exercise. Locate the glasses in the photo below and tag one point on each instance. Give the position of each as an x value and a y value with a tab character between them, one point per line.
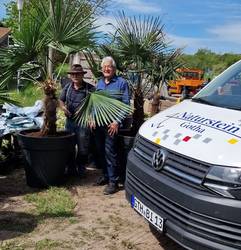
107	67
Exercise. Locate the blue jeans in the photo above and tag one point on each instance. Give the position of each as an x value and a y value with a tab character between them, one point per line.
82	136
106	146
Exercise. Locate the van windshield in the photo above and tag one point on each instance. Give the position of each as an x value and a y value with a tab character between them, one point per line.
224	90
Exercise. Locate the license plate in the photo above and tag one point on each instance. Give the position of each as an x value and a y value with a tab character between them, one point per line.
147	213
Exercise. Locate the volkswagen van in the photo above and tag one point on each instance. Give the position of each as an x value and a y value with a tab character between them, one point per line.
184	170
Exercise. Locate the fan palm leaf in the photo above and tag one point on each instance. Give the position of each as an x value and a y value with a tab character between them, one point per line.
165	67
102	109
138	39
68	25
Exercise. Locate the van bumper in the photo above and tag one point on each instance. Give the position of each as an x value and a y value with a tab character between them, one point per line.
194	219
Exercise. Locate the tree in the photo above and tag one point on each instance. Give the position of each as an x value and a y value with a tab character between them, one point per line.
164	69
212	63
29	10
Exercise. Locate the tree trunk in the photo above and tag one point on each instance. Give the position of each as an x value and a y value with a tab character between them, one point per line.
50	62
138	115
155	105
50	109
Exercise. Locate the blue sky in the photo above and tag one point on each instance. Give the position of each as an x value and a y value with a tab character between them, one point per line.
192	24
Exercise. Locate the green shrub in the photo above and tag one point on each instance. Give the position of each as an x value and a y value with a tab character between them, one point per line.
28	95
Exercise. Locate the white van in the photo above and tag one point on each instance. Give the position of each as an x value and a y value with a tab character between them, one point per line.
184	170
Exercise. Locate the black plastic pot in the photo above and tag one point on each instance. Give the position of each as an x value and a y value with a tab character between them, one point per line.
46	157
125	143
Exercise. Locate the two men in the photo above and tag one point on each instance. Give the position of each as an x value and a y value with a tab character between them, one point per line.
105	136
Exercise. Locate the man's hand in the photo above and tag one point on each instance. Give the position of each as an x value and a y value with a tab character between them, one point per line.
113	128
66	111
91	125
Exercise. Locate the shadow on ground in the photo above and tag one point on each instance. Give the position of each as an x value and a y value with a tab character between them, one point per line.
13	184
165	242
14	224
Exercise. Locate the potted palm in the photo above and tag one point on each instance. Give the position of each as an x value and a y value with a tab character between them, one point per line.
61	26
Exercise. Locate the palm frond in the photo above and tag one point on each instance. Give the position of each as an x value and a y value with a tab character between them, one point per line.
101	109
139	38
68	25
94	63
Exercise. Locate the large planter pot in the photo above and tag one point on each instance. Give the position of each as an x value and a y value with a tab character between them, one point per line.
46	157
125	143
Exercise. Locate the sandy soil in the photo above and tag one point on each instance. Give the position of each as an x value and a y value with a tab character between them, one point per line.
100	222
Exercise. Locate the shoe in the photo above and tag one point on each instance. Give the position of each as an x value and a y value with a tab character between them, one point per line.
102	181
111	188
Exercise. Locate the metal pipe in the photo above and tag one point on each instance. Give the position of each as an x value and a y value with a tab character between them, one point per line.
19	7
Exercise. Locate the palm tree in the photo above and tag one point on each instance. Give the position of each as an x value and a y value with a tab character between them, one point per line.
137	45
54	24
164	69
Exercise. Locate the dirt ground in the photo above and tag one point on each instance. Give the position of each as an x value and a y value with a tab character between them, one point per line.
99	221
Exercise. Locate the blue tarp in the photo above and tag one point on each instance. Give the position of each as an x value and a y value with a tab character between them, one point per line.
16	118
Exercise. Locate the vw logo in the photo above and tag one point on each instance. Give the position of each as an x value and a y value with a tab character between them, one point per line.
158	159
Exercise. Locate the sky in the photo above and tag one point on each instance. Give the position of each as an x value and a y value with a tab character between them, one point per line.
189	24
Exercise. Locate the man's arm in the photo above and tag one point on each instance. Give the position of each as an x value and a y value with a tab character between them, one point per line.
114	126
64	108
62	100
62	96
126	93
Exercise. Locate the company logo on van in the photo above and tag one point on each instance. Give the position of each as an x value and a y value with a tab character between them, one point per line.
189	118
159	159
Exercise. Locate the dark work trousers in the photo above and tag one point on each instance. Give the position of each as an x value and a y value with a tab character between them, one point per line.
82	136
106	147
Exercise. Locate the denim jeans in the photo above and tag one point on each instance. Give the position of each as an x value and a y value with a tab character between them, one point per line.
106	146
82	136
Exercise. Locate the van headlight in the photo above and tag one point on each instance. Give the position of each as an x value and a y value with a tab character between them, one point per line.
225	181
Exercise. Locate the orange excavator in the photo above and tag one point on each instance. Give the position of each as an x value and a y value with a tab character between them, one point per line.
190	80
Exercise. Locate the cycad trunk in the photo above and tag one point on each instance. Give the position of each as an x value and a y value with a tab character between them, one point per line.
138	115
50	110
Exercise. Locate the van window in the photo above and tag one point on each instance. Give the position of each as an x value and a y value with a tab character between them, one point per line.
224	91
